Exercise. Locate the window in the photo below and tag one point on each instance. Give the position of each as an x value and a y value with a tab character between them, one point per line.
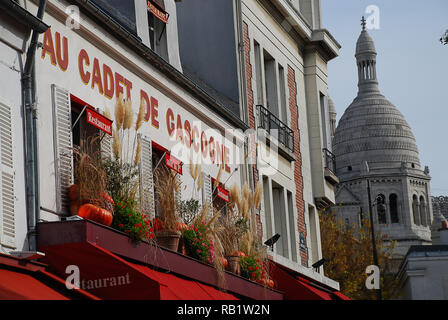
393	204
325	122
279	218
270	84
258	73
415	210
158	161
157	35
84	135
281	82
381	209
423	211
314	227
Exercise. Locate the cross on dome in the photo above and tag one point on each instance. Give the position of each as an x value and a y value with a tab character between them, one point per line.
363	23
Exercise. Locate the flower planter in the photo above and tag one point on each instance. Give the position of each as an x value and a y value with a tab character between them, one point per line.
234	264
168	239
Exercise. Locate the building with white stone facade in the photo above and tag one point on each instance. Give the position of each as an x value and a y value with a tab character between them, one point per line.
373	131
208	74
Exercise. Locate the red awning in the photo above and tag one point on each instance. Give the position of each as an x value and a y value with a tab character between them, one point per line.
313	293
20	286
341	296
176	288
27	280
299	288
108	276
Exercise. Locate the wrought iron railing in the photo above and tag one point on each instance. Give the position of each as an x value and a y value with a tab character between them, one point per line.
329	160
268	121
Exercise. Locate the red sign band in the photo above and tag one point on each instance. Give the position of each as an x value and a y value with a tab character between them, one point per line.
223	194
162	16
99	121
173	163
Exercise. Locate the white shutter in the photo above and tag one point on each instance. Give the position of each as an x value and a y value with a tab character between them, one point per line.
106	146
7	197
207	192
146	178
63	146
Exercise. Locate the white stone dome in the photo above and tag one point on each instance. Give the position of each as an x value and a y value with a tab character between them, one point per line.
372	129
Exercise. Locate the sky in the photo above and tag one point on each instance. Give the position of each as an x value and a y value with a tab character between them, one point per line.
412	68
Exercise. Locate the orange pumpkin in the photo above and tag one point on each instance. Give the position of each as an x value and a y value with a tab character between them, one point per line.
105	217
271	283
238	254
94	213
73	192
223	261
88	211
181	226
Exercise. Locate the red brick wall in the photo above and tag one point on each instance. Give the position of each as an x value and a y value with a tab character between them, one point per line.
251	107
298	178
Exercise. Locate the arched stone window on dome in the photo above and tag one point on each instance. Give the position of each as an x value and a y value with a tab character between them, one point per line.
381	208
393	206
423	211
415	210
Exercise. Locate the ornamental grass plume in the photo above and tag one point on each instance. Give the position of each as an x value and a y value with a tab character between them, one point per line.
116	145
128	115
122	170
90	176
119	112
200	181
213	230
138	152
140	115
167	185
258	195
218	178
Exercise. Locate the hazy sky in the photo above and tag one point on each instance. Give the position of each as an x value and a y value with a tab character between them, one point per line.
412	69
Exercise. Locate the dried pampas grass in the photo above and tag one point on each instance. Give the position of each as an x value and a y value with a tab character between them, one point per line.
128	115
167	185
140	115
119	112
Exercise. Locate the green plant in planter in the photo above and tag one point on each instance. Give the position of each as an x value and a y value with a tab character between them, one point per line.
251	268
132	222
198	244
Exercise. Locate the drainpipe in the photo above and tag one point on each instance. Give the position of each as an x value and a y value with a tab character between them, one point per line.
30	123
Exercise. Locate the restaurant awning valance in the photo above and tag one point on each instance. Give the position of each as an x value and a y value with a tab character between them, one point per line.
111	277
25	280
296	287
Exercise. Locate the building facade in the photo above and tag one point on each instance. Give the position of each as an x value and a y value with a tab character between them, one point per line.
423	272
375	148
252	106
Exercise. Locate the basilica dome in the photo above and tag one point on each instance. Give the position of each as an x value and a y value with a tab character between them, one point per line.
372	129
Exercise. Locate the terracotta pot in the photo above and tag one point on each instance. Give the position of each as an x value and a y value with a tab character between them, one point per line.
168	239
234	264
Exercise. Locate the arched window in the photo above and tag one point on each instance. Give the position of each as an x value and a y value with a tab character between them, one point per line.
415	210
423	211
393	205
381	208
